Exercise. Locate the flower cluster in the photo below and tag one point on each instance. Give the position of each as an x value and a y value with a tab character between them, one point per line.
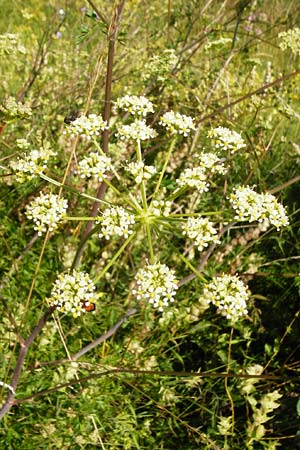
135	105
160	208
225	139
229	294
197	177
74	293
31	164
140	171
11	110
137	131
156	284
87	126
177	123
116	221
201	230
9	44
264	208
212	163
94	165
46	211
22	144
160	66
194	178
290	39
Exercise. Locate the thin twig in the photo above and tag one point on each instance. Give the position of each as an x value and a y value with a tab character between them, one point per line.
250	94
93	344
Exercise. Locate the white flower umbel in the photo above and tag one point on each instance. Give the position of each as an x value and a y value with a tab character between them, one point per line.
290	39
87	126
46	211
212	163
94	165
73	293
156	284
11	109
140	171
229	294
137	131
116	221
194	178
200	230
160	66
23	144
177	123
137	106
225	139
264	208
31	164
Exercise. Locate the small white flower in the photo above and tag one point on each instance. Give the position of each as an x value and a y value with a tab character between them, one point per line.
264	208
160	208
229	294
86	126
201	230
74	293
160	66
290	39
212	163
177	123
94	165
116	221
137	131
135	105
31	164
23	144
156	284
140	171
194	178
225	139
46	211
11	109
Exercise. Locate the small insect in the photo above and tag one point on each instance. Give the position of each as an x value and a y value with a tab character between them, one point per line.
88	307
71	117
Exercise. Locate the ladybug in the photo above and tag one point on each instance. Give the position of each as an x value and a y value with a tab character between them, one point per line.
90	307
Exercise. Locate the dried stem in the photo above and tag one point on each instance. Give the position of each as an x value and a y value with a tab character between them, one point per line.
112	36
19	364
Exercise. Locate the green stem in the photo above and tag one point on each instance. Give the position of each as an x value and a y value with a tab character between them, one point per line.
172	145
132	203
115	257
177	193
143	187
79	218
193	269
148	231
203	213
69	188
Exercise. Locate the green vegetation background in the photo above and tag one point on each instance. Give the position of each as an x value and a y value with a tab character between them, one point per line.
224	55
